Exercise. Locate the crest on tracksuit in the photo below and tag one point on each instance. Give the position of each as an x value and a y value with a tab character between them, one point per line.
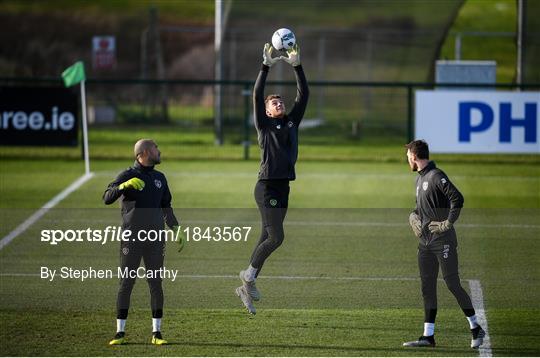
157	183
425	185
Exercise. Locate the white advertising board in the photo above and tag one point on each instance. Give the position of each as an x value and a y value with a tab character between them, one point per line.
478	122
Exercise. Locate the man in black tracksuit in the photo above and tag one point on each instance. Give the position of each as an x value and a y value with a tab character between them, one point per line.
438	205
278	138
146	204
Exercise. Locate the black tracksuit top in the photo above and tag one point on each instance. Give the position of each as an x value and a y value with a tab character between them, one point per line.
146	209
278	138
437	199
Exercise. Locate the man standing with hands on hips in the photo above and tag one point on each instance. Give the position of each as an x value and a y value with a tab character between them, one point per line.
438	205
277	134
146	205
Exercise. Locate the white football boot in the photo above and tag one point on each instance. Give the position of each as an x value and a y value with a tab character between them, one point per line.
250	287
246	300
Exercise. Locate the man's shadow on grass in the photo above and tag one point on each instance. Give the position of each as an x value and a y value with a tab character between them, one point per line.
289	347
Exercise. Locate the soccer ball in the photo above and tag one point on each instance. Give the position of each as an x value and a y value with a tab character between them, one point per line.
283	39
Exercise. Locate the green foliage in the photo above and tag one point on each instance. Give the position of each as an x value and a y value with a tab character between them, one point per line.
192	11
489	16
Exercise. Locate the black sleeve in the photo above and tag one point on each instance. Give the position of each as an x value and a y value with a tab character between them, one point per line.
416	198
168	213
112	192
452	194
259	111
302	95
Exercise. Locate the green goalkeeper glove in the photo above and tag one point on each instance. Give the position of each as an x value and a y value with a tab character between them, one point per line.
268	60
438	227
416	224
133	183
293	56
180	236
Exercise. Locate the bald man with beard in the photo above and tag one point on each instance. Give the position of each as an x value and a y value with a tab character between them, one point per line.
146	205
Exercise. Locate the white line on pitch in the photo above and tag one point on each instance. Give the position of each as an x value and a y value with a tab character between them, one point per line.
43	210
477	297
314	278
386	224
313	223
324	176
269	277
345	278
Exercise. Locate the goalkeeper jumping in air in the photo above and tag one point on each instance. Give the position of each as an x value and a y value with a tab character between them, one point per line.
277	133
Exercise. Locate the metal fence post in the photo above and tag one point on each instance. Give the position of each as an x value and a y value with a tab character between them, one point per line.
457	47
410	129
246	92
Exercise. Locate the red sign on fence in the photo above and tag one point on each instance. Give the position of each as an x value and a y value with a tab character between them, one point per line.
103	52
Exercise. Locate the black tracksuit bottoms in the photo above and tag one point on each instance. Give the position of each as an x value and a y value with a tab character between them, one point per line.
441	253
272	197
131	253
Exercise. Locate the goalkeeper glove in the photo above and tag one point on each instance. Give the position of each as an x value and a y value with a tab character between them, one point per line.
438	227
416	224
181	238
133	183
268	60
293	56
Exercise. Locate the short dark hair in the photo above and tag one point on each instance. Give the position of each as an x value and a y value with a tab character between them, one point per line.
271	97
419	148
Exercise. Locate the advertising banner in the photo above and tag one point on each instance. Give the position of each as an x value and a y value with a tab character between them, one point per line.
38	116
478	122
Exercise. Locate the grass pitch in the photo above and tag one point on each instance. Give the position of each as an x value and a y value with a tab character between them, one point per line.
342	284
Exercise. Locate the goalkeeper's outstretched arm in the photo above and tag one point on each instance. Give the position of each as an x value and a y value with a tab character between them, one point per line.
302	90
302	95
259	110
